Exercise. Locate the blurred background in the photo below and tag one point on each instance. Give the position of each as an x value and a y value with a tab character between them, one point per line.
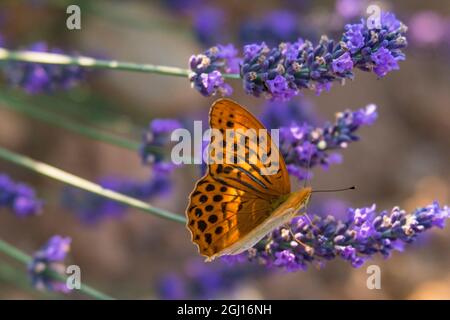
401	160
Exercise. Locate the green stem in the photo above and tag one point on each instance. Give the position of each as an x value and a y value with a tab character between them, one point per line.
81	183
22	257
62	122
88	62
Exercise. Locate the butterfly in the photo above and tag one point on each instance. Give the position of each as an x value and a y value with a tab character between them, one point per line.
234	205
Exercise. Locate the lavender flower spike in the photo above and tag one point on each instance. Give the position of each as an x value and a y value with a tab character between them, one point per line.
19	197
50	258
156	136
279	73
304	146
357	239
37	78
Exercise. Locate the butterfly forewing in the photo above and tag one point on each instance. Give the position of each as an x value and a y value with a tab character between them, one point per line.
243	173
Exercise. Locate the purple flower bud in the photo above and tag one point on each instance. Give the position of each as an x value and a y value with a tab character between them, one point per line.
155	138
384	62
207	68
354	36
342	64
280	90
50	258
18	197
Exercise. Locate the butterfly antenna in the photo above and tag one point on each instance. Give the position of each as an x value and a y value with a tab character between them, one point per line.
335	190
305	182
308	170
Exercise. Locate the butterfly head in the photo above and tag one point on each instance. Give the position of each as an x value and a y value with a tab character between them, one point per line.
295	200
301	198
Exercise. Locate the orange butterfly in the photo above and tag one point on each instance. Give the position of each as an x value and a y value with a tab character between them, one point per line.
234	205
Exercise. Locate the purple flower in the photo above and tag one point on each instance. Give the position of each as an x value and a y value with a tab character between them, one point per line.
342	64
355	239
251	51
183	6
354	36
304	146
50	258
275	27
286	259
171	287
322	86
389	22
230	54
93	209
277	114
349	9
207	68
37	78
214	82
280	89
384	62
18	197
428	28
209	24
382	46
155	137
206	281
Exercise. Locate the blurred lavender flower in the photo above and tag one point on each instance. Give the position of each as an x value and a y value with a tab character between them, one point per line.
37	78
350	9
283	114
50	258
183	6
206	281
273	28
93	209
356	239
209	23
304	146
206	70
155	137
429	28
19	197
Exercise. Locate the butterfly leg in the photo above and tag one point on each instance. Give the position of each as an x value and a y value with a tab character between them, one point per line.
308	249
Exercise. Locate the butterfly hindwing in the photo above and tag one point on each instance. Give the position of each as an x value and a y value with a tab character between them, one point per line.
219	216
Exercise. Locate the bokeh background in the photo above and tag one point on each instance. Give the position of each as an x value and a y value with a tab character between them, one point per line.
401	160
